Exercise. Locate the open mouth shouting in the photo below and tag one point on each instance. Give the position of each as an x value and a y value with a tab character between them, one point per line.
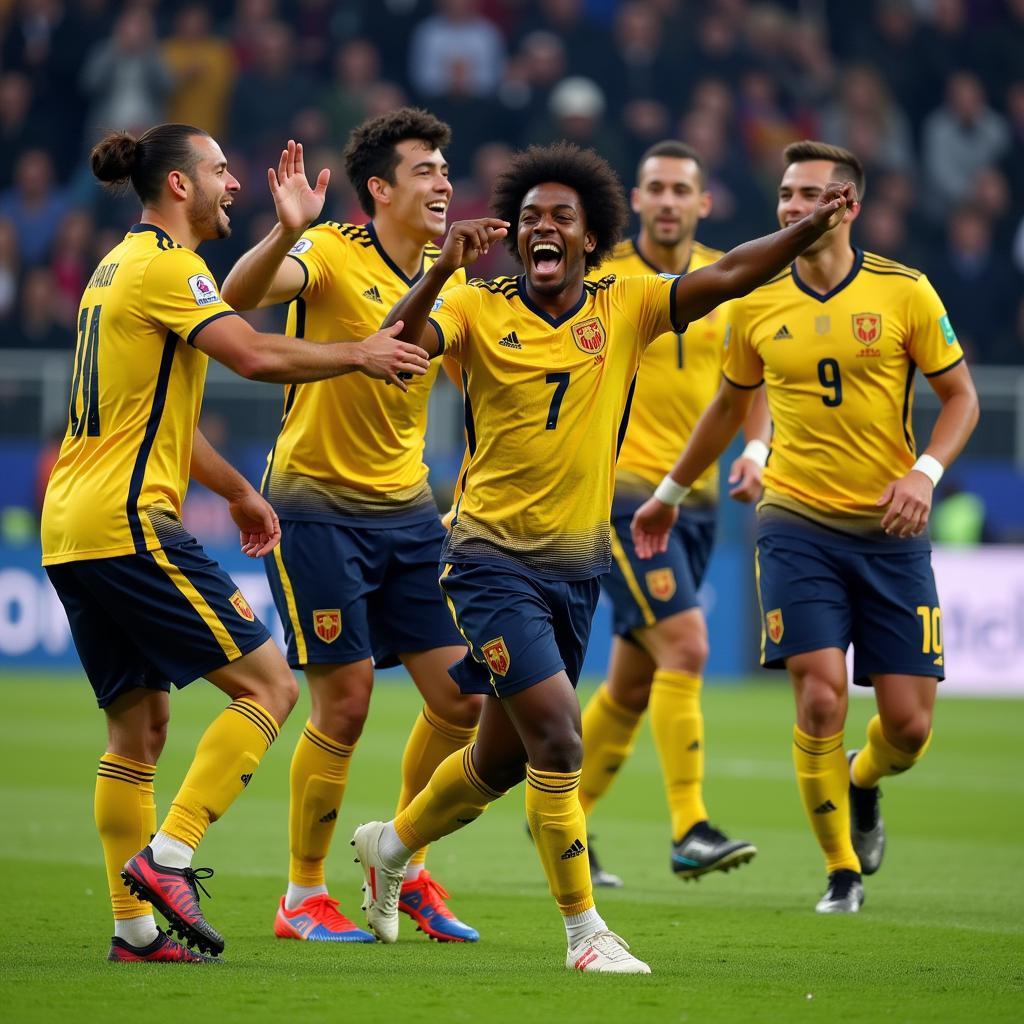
438	208
546	257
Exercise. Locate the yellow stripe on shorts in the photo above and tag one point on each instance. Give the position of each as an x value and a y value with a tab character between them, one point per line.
760	602
293	610
622	561
455	619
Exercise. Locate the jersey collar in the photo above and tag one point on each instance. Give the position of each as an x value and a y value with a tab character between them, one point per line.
537	311
635	242
858	259
162	237
390	263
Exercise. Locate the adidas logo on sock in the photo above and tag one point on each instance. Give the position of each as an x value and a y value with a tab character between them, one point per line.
331	815
373	295
574	851
695	745
246	778
465	821
782	333
510	341
826	808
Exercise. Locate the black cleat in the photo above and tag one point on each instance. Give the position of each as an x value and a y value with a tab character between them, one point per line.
867	830
844	895
705	849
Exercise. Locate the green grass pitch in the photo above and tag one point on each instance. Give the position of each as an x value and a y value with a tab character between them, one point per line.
939	938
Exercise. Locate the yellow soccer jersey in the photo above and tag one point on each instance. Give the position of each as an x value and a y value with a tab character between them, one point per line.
679	376
546	404
123	469
839	370
350	447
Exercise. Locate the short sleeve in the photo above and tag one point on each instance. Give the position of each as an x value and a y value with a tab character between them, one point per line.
179	293
453	313
653	297
742	366
319	253
931	341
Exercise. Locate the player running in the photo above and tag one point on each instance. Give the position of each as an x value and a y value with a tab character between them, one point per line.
355	575
842	554
549	362
146	605
661	643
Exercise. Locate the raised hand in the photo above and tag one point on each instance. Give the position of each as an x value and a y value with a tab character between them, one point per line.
834	201
297	204
468	240
386	358
259	532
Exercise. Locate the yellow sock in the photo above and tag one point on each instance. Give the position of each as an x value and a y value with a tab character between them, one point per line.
227	756
880	758
823	777
678	728
609	734
432	740
559	829
125	814
318	776
454	796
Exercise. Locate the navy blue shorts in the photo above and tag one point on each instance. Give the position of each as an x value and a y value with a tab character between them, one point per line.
520	629
345	593
645	592
819	588
150	620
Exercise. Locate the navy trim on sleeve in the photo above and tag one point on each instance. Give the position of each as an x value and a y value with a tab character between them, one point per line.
191	339
305	276
945	369
440	337
744	387
676	326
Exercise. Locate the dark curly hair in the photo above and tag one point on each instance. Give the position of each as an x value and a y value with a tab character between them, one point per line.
371	153
589	175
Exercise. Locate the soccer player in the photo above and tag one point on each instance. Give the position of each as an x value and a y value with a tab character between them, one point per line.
355	575
660	643
548	362
842	551
147	607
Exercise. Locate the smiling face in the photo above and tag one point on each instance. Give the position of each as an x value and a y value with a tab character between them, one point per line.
670	199
552	237
419	198
799	189
213	189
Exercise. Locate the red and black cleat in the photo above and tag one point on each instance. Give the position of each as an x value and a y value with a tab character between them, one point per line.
173	891
162	950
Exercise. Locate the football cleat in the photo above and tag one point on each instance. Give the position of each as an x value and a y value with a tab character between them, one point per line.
174	892
844	895
381	884
598	876
604	952
867	830
423	900
705	849
317	919
162	950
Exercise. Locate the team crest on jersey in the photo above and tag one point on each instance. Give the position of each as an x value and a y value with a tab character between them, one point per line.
497	656
867	327
773	620
327	624
589	335
661	583
239	603
204	291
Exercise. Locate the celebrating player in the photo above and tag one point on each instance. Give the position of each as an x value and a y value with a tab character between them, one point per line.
842	551
548	362
355	575
147	606
660	643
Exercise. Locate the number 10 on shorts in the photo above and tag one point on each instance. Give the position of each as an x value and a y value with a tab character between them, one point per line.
931	629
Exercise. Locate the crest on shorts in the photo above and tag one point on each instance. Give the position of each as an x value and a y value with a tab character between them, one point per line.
867	327
497	656
589	335
239	603
327	624
661	583
773	622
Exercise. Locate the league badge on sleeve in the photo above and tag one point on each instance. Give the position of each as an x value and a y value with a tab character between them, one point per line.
327	624
301	246
773	623
496	653
204	291
947	329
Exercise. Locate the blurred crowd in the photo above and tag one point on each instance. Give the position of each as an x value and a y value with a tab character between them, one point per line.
930	93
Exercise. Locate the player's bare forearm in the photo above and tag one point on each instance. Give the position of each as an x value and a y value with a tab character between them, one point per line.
414	307
758	424
714	430
746	471
214	472
254	278
958	416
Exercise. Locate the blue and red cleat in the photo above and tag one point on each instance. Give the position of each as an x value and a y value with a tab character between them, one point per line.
317	919
423	900
162	950
173	892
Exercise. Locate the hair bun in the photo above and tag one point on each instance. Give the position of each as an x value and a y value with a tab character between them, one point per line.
113	158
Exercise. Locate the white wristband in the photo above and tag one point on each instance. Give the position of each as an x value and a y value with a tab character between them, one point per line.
756	451
931	467
670	493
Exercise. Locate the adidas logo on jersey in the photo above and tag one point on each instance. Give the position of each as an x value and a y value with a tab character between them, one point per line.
574	851
782	333
331	815
246	778
373	294
510	341
826	808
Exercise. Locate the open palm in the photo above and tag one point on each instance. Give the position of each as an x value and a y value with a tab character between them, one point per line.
297	204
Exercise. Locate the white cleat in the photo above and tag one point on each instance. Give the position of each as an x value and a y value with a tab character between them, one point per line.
605	952
382	885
